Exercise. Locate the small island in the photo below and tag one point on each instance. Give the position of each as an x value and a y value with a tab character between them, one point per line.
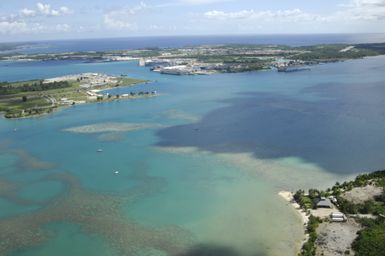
347	219
37	97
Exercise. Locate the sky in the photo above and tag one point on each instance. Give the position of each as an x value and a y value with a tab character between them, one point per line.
32	20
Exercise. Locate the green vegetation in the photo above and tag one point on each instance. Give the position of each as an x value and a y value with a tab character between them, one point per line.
18	107
378	48
231	57
30	86
371	240
147	53
309	200
241	58
308	248
330	53
35	97
375	178
12	46
18	99
236	63
376	206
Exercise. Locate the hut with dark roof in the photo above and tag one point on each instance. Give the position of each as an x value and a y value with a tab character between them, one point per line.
324	203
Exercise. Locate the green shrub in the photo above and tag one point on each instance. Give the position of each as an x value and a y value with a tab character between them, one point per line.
371	240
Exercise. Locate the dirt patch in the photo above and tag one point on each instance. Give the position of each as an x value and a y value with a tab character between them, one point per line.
323	213
336	238
362	194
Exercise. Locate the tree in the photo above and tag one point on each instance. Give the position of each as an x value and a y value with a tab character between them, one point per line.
298	195
24	98
370	240
313	193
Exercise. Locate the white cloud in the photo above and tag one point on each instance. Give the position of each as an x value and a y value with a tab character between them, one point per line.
137	8
356	12
62	27
27	12
25	20
373	3
113	23
269	15
45	9
66	10
12	27
18	27
196	2
124	18
363	10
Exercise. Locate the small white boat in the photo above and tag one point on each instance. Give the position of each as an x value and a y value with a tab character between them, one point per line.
100	150
116	172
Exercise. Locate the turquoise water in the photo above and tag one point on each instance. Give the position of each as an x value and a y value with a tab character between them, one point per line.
63	235
204	172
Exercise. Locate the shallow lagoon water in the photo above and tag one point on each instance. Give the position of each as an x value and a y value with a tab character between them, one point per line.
204	176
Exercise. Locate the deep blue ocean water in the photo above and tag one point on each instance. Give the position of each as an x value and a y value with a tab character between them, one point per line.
202	171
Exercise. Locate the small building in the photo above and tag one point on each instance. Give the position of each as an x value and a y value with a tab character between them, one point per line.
333	199
338	220
324	203
337	217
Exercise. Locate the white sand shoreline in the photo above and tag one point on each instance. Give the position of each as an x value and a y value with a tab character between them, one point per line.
289	197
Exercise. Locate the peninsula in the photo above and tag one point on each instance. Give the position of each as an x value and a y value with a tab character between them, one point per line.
209	59
29	98
36	97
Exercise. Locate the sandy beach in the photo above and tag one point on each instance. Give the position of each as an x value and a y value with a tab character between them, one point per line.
289	197
112	127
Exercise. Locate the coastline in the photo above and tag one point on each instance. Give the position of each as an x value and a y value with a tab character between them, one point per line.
113	147
289	198
62	107
95	97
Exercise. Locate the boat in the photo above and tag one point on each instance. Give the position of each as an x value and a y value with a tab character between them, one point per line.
100	150
116	172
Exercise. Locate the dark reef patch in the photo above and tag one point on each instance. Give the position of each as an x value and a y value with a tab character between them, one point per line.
342	132
95	213
214	250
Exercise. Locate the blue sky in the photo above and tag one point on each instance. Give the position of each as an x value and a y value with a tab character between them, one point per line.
53	19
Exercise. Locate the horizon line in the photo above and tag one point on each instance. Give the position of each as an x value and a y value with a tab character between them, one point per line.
186	35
